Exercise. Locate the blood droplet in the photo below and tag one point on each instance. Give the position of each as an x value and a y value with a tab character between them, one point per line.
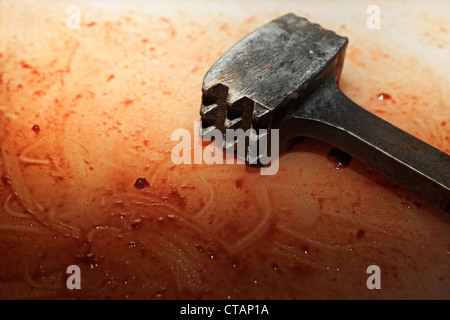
36	128
384	96
141	183
340	158
239	183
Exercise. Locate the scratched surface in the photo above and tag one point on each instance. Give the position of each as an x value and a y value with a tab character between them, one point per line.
84	113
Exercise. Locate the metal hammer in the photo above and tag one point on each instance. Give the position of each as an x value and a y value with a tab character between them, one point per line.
284	76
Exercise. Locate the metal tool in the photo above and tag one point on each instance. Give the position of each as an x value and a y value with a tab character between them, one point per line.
284	76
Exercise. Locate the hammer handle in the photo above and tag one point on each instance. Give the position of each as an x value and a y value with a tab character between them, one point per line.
327	114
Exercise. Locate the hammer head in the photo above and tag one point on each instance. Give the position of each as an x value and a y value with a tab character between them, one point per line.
257	81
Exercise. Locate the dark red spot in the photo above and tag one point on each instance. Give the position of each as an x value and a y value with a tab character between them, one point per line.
141	183
36	128
384	96
360	233
6	180
132	244
111	76
91	24
127	102
340	158
239	183
25	65
37	73
271	67
321	202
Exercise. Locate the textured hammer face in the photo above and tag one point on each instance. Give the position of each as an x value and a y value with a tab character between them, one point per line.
253	84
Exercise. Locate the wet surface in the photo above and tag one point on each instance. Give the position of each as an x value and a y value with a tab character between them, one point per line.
94	185
340	159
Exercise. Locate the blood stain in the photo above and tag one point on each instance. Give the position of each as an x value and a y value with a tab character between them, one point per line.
360	233
141	183
36	128
239	183
340	158
384	96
